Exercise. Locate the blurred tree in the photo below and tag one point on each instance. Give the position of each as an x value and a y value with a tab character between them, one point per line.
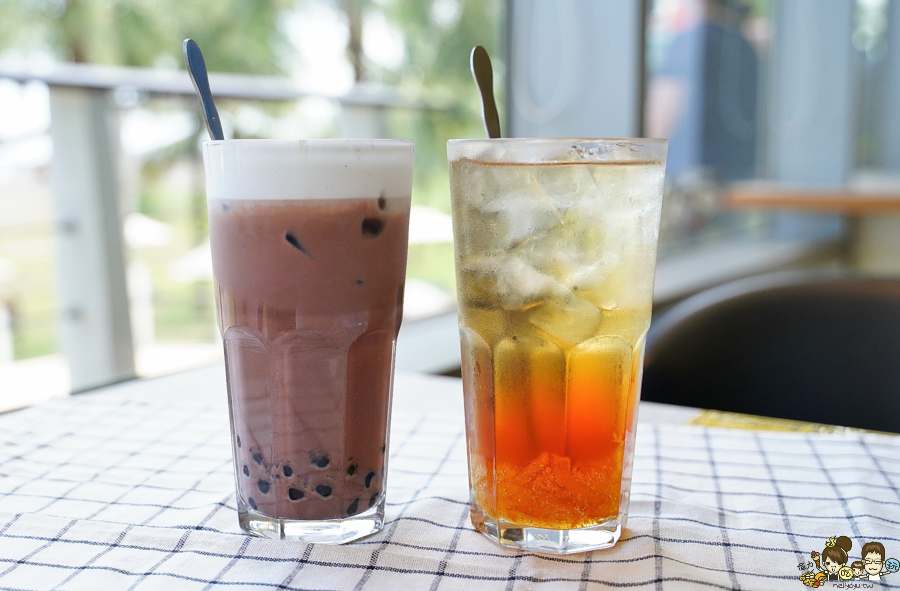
353	10
241	36
236	35
438	36
246	36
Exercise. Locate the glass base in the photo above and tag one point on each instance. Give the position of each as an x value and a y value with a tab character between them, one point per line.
322	531
547	541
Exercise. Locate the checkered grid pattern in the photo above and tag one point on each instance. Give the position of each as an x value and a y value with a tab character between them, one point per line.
116	491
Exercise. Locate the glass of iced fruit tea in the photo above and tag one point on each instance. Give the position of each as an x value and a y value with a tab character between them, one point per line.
555	244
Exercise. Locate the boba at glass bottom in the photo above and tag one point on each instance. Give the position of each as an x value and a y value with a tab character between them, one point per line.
317	531
546	541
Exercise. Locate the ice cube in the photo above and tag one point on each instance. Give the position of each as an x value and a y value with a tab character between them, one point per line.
505	279
567	185
630	324
500	209
521	212
489	322
521	286
569	319
629	283
563	262
591	282
521	220
565	251
478	282
473	183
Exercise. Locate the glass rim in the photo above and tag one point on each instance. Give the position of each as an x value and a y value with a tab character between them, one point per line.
547	151
558	140
273	142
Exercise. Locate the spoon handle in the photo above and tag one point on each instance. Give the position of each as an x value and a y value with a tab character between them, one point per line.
196	66
480	64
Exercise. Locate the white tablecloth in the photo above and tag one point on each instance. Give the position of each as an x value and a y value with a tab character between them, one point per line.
132	488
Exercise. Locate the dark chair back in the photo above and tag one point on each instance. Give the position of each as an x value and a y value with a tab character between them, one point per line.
804	346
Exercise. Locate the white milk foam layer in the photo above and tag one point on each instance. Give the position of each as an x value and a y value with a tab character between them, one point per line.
308	169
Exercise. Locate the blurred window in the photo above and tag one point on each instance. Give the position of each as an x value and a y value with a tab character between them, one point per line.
702	94
704	89
414	52
784	91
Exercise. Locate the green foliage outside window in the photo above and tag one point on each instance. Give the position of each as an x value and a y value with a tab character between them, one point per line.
249	37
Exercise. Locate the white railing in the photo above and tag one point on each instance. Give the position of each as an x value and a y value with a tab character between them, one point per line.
95	325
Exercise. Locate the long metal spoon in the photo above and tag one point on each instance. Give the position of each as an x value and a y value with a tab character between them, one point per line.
196	66
480	63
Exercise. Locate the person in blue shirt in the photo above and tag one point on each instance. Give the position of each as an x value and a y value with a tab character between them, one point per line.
703	98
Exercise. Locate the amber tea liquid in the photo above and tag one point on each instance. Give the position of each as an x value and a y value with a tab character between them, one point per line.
555	264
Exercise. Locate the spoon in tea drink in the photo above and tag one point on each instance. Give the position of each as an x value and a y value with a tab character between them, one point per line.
480	63
196	66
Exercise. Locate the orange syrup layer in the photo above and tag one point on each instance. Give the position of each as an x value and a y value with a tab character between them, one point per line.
556	441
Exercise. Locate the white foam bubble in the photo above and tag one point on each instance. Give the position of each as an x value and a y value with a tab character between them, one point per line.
308	169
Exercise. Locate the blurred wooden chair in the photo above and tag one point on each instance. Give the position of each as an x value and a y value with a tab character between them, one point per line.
809	346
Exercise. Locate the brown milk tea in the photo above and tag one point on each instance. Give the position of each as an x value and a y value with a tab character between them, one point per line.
308	245
310	295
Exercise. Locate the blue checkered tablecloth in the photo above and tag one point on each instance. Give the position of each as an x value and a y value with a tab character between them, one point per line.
132	488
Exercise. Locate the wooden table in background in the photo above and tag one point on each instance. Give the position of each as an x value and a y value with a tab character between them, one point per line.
874	216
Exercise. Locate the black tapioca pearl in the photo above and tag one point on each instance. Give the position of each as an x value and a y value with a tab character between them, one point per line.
324	490
372	227
263	486
251	502
383	448
359	282
246	470
257	457
295	242
288	471
319	461
369	478
239	441
353	508
224	206
295	494
382	202
351	470
373	499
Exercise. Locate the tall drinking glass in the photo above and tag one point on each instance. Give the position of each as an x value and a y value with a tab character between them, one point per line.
309	242
555	244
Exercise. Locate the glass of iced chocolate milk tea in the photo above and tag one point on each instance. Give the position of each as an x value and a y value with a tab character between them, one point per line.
555	246
309	242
